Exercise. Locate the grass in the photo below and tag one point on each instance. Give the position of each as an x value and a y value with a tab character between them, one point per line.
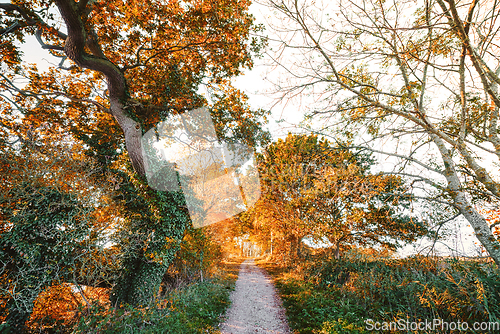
197	308
190	308
194	309
310	308
329	296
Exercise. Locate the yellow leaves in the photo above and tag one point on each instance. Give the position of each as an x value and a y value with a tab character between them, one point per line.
410	92
200	34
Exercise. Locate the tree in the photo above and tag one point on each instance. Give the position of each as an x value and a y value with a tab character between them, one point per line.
353	207
49	231
420	80
327	193
124	67
47	226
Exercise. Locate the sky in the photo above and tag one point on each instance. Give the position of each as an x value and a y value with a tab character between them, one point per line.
257	84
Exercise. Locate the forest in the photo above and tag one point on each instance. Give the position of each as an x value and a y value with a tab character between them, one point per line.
138	174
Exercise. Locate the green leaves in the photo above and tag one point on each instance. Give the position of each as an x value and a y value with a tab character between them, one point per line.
131	64
44	233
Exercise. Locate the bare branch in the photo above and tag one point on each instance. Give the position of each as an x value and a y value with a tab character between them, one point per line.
38	36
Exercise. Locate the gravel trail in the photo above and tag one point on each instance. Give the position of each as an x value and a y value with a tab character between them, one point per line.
256	307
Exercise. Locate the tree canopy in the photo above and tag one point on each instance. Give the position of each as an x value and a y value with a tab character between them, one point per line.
311	188
123	66
415	82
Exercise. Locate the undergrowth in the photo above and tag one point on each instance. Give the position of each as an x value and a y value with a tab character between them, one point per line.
340	296
183	306
193	309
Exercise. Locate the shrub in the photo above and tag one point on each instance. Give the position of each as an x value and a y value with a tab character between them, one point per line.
337	296
194	309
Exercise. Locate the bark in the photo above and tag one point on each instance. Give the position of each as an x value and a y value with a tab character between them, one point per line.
139	284
141	278
484	72
133	135
336	251
477	221
480	225
489	81
120	101
295	242
422	121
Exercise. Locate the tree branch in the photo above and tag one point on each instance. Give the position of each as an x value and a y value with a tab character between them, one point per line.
117	86
38	36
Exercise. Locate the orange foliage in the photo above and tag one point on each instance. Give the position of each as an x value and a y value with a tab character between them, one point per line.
60	304
493	218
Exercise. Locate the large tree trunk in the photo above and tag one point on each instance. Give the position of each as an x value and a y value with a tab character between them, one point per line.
480	225
295	242
139	283
120	102
141	278
336	251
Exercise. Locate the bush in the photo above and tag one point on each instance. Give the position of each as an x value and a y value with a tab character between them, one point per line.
194	309
337	296
198	258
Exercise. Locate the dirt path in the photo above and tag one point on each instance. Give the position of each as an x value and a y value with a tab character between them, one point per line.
256	307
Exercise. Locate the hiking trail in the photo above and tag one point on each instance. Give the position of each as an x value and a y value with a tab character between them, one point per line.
255	304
